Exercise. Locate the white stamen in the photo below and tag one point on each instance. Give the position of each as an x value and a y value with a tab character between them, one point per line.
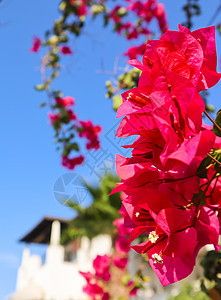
157	258
137	214
153	237
129	96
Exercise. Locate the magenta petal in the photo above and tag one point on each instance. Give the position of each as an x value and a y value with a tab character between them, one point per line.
137	64
174	219
136	232
140	247
126	108
207	228
175	267
183	28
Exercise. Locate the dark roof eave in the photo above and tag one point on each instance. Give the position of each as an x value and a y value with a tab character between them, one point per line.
40	234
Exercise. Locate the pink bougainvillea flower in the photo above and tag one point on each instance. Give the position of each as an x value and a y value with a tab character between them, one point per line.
160	14
173	228
208	228
177	262
101	266
213	194
54	117
106	296
206	39
91	133
120	262
71	163
168	258
87	275
134	290
65	101
164	197
113	14
119	223
72	115
81	7
135	51
122	245
36	44
93	290
66	50
199	145
170	54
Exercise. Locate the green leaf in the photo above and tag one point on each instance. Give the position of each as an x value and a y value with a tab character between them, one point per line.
40	87
201	170
57	94
197	197
117	101
74	146
106	20
126	279
218	122
43	104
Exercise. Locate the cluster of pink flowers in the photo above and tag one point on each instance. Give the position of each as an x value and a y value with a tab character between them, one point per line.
36	44
64	115
122	245
145	12
80	6
71	163
66	50
135	51
165	196
91	133
97	283
93	288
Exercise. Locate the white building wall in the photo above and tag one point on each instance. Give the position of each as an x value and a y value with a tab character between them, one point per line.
57	279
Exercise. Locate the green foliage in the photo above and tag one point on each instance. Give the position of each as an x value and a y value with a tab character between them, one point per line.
126	279
117	101
188	293
218	122
191	9
212	268
127	80
202	171
99	216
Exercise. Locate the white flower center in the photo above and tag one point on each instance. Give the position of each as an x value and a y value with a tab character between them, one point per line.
153	237
157	258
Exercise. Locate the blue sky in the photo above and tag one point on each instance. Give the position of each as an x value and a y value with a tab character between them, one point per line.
29	162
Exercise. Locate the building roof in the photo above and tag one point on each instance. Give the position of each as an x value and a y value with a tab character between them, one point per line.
41	233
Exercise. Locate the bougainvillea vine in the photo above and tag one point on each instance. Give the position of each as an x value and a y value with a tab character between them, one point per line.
73	14
172	182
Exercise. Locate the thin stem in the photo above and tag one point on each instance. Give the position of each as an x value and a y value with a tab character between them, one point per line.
214	159
215	15
217	178
214	123
200	204
168	180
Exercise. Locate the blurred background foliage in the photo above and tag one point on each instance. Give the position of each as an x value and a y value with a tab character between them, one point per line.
99	216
